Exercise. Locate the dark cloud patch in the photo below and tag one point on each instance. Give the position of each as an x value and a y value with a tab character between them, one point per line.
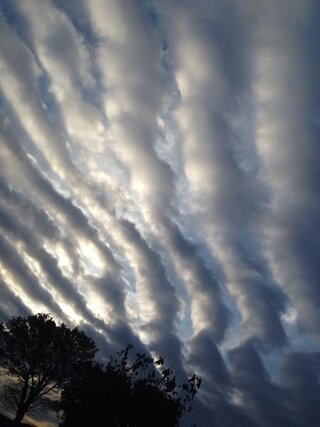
299	374
205	356
264	401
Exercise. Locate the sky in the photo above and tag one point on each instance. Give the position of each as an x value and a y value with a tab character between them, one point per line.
159	186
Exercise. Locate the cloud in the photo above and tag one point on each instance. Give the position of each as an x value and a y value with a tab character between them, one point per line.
225	198
159	187
14	304
286	133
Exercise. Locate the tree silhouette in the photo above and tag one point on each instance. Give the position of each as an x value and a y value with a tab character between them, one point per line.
40	356
139	393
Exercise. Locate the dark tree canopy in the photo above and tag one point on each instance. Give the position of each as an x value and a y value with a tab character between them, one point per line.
40	356
126	394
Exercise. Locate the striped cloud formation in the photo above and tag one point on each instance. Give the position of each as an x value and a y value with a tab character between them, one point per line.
159	181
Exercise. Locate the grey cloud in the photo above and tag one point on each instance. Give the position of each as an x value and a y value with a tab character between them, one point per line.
167	153
25	277
75	218
280	403
226	200
300	373
14	306
287	126
19	74
16	230
26	209
162	327
203	281
206	358
41	187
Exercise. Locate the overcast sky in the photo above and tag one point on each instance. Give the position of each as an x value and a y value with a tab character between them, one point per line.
159	185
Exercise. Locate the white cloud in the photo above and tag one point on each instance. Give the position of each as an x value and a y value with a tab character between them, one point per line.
159	185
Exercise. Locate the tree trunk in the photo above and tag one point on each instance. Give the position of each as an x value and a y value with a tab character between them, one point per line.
23	404
22	409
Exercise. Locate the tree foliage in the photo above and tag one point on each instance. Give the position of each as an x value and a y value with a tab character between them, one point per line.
140	393
40	356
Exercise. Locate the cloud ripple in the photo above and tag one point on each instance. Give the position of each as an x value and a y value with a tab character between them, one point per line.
160	186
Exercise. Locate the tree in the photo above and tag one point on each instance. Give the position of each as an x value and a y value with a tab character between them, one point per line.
40	356
126	394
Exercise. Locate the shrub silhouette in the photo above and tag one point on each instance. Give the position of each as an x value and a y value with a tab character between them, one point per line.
126	394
